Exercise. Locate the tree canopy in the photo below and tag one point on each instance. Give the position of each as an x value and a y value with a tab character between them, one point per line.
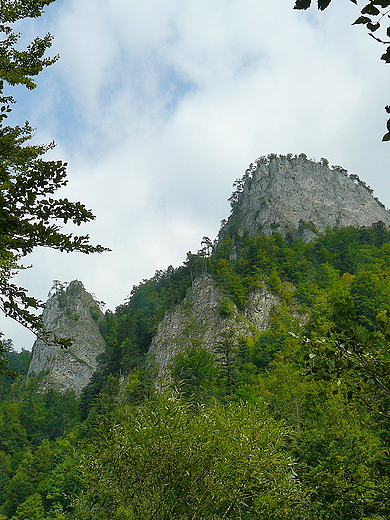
30	216
289	422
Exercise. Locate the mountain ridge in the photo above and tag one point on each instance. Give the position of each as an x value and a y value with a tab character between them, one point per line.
290	195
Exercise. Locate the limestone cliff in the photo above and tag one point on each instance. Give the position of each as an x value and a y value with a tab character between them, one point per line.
71	312
291	194
200	321
287	194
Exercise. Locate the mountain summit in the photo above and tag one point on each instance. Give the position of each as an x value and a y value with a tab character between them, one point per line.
293	195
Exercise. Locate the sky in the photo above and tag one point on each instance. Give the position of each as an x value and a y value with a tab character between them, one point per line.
158	106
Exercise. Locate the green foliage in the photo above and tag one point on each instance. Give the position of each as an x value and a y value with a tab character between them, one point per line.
19	361
264	347
229	281
42	483
29	217
341	455
195	371
31	509
29	473
13	435
141	383
9	366
344	461
128	332
226	307
370	294
167	459
60	485
290	422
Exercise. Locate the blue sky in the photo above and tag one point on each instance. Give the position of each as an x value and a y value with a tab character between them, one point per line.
158	106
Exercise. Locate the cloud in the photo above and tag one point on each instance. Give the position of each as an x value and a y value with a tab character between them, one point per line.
159	106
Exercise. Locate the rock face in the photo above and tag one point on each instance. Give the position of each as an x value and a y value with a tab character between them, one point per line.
70	312
287	194
198	321
290	195
294	195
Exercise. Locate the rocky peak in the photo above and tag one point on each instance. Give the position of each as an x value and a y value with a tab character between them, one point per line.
200	321
297	196
70	312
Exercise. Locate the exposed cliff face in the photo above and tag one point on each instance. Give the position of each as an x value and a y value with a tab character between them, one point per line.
198	321
70	313
295	195
289	195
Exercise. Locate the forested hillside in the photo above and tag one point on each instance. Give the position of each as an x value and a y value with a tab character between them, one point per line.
287	423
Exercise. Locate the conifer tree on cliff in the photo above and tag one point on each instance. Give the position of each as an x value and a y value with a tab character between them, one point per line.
30	216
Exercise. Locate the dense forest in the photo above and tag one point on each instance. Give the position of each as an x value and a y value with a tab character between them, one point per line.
294	425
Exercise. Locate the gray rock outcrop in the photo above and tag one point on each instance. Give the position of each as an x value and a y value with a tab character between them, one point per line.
291	194
71	312
198	321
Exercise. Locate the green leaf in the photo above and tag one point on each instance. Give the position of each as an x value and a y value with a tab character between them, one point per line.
323	4
370	9
382	3
386	137
373	26
362	20
386	55
302	4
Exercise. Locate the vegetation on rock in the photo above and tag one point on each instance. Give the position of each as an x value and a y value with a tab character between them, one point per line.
290	422
286	423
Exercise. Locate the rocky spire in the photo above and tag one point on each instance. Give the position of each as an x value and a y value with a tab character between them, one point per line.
70	312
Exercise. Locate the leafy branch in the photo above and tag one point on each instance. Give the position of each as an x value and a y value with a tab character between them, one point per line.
372	16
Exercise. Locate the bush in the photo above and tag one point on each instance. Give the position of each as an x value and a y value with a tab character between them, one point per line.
226	307
168	459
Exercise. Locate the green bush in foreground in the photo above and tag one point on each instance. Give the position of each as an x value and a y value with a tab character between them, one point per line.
168	459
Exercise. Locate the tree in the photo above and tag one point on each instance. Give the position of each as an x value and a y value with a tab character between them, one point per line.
170	459
32	468
31	509
195	371
372	15
30	216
